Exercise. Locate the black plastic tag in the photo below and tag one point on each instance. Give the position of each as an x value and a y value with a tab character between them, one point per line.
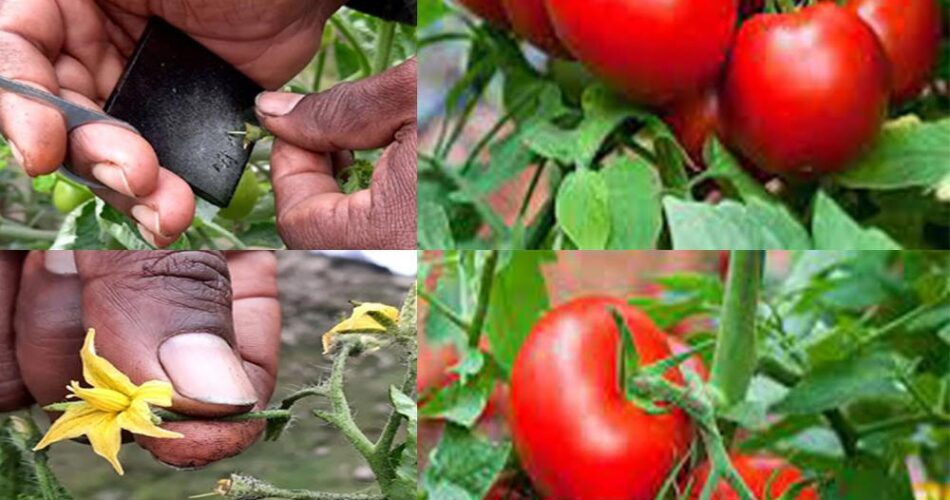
185	100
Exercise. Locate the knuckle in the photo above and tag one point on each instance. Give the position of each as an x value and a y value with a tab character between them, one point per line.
200	276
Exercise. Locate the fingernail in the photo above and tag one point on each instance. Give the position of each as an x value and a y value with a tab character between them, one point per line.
147	235
112	176
62	262
148	217
203	366
17	155
277	103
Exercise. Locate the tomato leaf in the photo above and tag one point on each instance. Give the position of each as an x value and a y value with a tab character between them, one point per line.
757	225
834	229
463	402
834	384
909	153
582	209
436	232
633	196
464	465
865	476
518	298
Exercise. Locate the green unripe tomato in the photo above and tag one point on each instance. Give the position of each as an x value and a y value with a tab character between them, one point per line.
246	194
67	196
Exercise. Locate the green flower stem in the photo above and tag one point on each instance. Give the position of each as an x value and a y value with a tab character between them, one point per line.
248	488
484	294
702	410
271	414
735	358
340	416
343	27
444	310
384	46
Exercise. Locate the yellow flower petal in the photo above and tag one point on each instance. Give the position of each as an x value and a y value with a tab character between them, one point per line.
105	400
156	392
99	372
361	321
106	439
71	424
138	419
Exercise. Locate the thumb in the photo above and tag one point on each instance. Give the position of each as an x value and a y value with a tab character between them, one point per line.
360	115
167	316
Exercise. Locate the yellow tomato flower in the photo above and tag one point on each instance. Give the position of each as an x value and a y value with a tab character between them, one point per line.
112	403
368	317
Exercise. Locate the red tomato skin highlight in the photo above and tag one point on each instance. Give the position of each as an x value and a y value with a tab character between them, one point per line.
652	50
490	10
910	31
805	93
530	20
756	470
576	434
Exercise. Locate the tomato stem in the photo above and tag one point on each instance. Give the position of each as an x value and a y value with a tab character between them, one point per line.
735	358
484	293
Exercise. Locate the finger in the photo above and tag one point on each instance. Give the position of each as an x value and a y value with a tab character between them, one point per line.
393	192
360	115
167	316
36	132
257	332
13	392
116	157
162	215
49	325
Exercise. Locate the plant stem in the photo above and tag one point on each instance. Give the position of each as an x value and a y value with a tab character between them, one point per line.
484	294
440	307
318	72
735	358
341	417
228	235
246	487
384	46
12	230
272	414
342	25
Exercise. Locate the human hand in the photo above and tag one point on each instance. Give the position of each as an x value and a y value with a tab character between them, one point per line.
207	322
313	138
77	49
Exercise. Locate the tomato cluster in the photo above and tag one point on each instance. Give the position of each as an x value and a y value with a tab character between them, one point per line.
577	434
799	93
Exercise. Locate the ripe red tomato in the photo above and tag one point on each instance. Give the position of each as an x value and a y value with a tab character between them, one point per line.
577	435
694	119
489	10
756	471
652	50
530	20
910	31
805	92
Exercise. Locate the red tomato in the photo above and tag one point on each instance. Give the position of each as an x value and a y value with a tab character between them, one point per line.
529	19
694	362
694	120
652	50
806	92
910	31
489	10
756	471
577	435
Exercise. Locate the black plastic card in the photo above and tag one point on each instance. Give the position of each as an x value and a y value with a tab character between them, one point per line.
187	102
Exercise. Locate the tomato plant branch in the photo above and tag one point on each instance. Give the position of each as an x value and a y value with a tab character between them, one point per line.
384	46
248	488
484	294
344	28
735	358
443	309
12	230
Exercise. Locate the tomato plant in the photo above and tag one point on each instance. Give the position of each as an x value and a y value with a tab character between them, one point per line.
354	46
697	125
828	377
530	19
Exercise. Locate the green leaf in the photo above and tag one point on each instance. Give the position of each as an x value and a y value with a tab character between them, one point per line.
633	195
865	476
582	211
434	229
518	298
429	11
462	402
464	465
406	407
834	229
908	153
834	384
757	225
721	164
80	229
